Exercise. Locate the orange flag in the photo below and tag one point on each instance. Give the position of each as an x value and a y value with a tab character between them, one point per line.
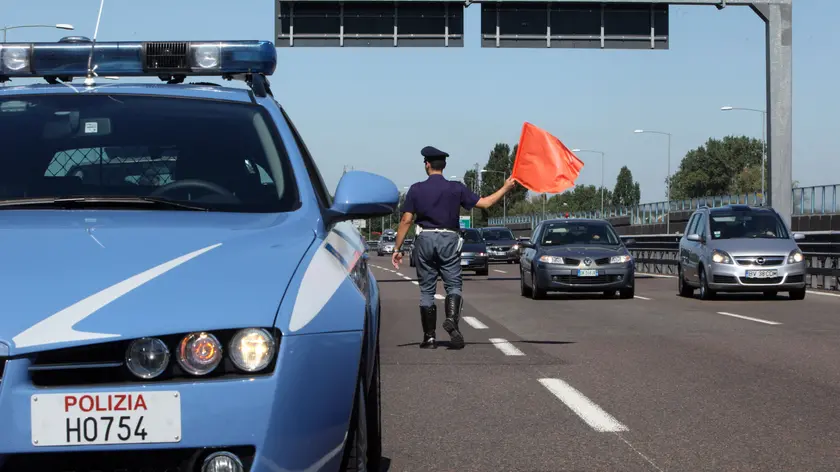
543	164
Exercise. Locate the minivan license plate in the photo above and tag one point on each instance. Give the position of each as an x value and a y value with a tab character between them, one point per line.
761	274
587	273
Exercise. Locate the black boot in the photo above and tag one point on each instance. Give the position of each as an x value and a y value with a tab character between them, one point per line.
453	304
428	318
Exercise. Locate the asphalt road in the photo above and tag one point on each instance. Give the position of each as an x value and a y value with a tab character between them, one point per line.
584	383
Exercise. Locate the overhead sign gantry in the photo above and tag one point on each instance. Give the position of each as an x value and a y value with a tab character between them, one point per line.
596	24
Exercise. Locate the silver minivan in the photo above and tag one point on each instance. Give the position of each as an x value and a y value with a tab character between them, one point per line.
740	248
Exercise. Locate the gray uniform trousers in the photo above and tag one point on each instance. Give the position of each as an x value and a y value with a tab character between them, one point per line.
438	254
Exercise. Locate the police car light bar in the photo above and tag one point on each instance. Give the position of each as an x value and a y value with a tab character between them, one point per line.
69	58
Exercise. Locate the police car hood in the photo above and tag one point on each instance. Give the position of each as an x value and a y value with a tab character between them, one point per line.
77	277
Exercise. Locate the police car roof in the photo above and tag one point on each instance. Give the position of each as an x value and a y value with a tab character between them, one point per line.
138	88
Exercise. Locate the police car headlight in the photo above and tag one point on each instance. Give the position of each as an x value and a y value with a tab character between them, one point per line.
252	349
551	259
199	353
14	59
147	358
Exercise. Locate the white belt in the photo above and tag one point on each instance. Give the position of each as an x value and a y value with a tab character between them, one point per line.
419	230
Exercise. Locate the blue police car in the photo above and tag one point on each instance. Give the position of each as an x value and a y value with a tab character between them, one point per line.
181	292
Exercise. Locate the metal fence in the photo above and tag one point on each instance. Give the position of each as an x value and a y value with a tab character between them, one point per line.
658	254
817	200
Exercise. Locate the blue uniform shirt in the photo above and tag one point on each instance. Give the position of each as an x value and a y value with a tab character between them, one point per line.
437	202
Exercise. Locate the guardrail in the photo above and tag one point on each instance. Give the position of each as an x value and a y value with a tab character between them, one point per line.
658	254
817	200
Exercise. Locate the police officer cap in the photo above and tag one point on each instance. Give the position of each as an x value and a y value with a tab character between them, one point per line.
431	153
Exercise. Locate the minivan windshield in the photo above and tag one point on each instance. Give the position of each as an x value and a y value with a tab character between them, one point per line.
579	233
747	224
213	155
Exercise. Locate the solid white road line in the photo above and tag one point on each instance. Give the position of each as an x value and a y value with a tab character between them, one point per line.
757	320
641	298
589	412
506	347
499	271
472	321
826	294
439	297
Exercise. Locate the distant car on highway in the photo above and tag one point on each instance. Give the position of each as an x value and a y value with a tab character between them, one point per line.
740	248
576	255
502	245
386	243
474	252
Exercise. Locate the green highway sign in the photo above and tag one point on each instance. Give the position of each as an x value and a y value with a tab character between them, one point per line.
465	222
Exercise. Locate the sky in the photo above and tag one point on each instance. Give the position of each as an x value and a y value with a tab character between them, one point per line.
375	108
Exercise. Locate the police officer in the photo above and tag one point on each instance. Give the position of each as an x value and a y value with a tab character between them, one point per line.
436	203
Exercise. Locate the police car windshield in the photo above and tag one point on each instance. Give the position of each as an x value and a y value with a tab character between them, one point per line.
220	156
747	224
576	234
497	234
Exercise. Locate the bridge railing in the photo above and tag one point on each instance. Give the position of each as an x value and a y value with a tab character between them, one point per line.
821	199
658	254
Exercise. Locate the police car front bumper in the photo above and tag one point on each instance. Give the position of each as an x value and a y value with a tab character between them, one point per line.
562	278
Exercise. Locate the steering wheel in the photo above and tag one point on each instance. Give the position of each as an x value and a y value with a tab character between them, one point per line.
194	183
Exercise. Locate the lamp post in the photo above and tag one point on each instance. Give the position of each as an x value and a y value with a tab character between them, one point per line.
504	197
668	183
62	26
763	143
602	174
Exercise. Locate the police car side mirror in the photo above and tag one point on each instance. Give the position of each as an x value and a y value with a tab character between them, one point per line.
363	195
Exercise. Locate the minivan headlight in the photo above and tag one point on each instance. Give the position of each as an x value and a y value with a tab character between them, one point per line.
551	259
720	257
795	256
620	259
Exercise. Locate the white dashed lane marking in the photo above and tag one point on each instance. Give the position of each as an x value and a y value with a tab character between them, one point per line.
472	321
506	347
641	298
757	320
499	271
439	297
415	282
407	278
592	414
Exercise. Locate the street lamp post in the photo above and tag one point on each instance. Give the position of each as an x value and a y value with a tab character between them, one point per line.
504	197
763	143
668	183
602	174
62	26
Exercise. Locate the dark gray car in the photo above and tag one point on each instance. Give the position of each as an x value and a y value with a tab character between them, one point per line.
502	246
576	255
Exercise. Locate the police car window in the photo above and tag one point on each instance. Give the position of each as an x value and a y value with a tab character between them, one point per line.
217	155
561	234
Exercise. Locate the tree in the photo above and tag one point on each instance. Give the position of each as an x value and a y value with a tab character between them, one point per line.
720	167
626	193
499	166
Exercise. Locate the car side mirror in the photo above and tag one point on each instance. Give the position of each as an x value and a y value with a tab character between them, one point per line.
798	236
629	242
694	237
526	244
363	195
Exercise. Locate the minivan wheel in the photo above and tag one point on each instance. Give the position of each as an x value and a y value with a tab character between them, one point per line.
683	288
705	292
